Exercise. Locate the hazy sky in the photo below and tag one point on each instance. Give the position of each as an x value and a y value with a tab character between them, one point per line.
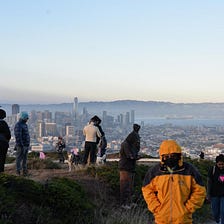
106	50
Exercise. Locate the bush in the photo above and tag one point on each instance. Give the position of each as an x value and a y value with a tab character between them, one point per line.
110	175
59	201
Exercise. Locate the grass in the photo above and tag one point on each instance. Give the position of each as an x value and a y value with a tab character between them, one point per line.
94	198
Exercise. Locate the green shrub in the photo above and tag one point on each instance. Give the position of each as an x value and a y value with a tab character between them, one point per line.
60	200
110	174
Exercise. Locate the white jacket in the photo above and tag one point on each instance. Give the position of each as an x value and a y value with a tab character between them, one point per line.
90	131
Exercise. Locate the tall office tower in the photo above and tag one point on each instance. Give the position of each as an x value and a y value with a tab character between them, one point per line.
132	116
51	129
104	116
127	118
75	108
15	109
47	116
121	119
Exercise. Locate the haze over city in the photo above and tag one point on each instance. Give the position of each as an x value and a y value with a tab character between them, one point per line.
169	51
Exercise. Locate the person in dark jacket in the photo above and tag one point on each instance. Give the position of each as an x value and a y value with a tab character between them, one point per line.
60	146
103	146
5	136
215	189
130	148
22	143
97	121
100	141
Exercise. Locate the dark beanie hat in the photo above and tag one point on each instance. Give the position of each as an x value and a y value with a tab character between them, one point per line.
2	114
136	127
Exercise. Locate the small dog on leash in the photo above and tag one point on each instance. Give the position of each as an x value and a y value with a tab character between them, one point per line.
100	160
73	160
70	161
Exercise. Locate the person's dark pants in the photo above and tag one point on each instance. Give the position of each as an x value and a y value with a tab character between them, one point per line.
21	158
102	151
217	206
126	187
61	157
3	151
90	150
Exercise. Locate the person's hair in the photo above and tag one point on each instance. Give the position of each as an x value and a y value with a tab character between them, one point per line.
219	158
2	114
95	119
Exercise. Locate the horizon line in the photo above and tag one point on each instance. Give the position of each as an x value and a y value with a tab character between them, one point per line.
111	101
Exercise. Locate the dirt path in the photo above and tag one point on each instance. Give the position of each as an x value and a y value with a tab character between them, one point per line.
44	174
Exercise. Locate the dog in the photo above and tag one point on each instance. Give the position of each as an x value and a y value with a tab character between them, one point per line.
70	161
101	160
73	160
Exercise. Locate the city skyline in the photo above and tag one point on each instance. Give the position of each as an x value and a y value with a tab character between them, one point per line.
168	51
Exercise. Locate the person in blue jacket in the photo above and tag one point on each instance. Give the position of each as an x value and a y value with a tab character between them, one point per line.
22	143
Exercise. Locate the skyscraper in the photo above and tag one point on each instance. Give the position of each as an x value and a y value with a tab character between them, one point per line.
132	116
15	109
75	108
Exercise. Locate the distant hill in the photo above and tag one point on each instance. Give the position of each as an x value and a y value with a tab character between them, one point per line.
143	109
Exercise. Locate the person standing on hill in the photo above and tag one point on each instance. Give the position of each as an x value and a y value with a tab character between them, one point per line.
127	163
202	155
5	136
97	121
91	132
22	143
60	146
102	141
173	189
215	189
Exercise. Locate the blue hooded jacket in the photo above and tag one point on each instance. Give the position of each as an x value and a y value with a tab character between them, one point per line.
22	134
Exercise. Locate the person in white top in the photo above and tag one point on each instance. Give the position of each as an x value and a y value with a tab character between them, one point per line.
90	131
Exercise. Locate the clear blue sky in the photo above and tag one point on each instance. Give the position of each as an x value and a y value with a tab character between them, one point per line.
101	50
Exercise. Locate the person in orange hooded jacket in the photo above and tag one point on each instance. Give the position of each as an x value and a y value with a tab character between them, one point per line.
173	189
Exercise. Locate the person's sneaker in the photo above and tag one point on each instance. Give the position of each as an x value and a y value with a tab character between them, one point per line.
18	173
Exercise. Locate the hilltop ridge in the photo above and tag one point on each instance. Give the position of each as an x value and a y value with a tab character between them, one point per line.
143	109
